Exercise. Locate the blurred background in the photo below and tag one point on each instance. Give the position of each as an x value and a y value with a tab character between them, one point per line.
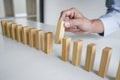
48	11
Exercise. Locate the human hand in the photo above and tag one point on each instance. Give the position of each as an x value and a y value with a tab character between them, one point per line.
76	23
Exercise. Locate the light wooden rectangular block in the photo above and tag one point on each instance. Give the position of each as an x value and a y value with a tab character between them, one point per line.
8	29
90	57
105	59
3	25
59	32
25	35
19	33
32	32
66	48
39	40
118	73
77	52
13	31
48	43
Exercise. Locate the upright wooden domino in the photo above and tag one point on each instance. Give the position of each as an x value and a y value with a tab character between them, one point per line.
65	48
48	43
3	25
25	35
118	73
59	32
105	59
19	33
90	56
77	52
13	31
39	43
8	29
32	32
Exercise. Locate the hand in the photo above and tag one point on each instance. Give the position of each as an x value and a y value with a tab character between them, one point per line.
75	22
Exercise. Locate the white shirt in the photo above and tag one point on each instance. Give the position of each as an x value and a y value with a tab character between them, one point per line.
111	20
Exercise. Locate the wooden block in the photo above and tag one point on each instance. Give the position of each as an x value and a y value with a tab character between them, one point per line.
3	25
65	48
8	29
39	40
19	33
77	52
90	57
32	32
48	44
25	35
59	32
105	59
13	32
118	73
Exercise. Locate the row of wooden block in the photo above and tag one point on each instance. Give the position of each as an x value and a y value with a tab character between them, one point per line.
31	36
90	56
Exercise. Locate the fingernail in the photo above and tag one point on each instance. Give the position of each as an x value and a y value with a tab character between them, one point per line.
67	24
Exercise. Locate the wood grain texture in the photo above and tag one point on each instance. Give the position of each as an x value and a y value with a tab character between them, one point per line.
3	25
66	48
32	32
90	57
39	43
59	32
48	44
19	33
13	31
105	59
118	73
25	35
8	29
77	52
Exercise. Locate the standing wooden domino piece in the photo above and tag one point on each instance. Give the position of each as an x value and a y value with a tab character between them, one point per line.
3	25
65	48
32	32
13	31
19	33
48	43
105	59
90	57
77	52
8	29
118	73
39	40
25	35
59	32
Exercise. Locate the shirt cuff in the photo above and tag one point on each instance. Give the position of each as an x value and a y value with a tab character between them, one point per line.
110	24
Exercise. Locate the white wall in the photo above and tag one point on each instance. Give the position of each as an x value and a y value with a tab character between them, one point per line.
90	8
1	9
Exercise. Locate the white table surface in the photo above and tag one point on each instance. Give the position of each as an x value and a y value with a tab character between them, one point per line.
21	62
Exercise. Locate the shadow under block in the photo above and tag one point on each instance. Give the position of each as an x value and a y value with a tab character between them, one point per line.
90	57
25	35
13	31
77	52
39	43
105	59
19	33
118	73
48	44
8	29
32	32
65	48
3	25
59	32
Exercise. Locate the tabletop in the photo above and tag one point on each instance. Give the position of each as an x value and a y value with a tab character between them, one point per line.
21	62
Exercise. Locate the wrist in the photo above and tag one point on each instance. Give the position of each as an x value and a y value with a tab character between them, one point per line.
96	26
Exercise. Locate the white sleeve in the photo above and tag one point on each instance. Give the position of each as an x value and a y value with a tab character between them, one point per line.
111	22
